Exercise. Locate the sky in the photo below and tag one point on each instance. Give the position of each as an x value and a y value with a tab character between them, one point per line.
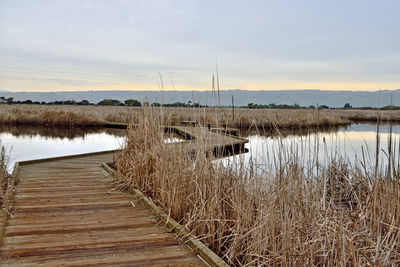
71	45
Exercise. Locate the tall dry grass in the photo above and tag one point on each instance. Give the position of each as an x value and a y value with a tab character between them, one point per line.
4	175
63	115
242	118
369	115
344	216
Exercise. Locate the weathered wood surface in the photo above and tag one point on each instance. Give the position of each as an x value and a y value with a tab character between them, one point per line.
65	213
203	134
205	139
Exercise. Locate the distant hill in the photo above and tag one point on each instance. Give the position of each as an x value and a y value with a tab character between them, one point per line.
241	97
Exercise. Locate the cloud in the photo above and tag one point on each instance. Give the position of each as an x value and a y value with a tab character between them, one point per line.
257	42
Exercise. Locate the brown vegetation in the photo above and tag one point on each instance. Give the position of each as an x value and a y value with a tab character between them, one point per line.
98	115
4	175
240	118
61	115
369	115
344	216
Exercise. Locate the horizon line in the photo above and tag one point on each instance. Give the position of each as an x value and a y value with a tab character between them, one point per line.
196	90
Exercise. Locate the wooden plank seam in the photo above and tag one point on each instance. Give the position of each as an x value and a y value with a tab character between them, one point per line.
202	250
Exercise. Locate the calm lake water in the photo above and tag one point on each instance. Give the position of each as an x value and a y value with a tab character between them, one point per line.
32	142
354	143
27	143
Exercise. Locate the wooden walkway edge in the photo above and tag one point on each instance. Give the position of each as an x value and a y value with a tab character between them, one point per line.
64	212
219	143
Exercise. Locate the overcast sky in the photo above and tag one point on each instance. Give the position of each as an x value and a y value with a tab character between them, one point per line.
101	44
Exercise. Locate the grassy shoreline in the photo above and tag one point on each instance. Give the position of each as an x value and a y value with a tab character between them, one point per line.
345	215
242	118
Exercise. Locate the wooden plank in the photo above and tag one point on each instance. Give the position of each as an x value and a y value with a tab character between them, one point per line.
95	225
64	212
66	195
103	191
79	206
76	216
128	256
64	188
64	202
98	237
71	215
43	185
66	198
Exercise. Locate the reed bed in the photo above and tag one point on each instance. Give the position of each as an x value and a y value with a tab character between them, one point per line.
341	215
98	115
258	118
239	118
369	115
62	115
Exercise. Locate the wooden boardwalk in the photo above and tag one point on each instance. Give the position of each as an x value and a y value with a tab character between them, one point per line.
209	140
65	213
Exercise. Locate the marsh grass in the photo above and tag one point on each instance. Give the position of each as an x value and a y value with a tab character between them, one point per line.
4	175
63	115
341	215
369	115
262	119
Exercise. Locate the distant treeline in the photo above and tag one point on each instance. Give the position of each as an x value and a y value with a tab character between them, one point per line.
296	106
136	103
105	102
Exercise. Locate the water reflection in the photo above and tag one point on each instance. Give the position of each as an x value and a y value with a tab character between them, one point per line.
56	132
287	131
356	143
173	139
27	143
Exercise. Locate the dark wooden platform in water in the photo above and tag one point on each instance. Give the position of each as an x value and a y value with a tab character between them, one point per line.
65	213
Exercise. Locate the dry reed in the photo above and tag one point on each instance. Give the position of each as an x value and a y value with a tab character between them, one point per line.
4	175
344	216
243	118
62	115
369	115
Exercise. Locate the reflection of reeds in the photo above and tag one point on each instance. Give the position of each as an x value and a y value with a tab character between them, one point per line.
56	132
343	216
284	132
